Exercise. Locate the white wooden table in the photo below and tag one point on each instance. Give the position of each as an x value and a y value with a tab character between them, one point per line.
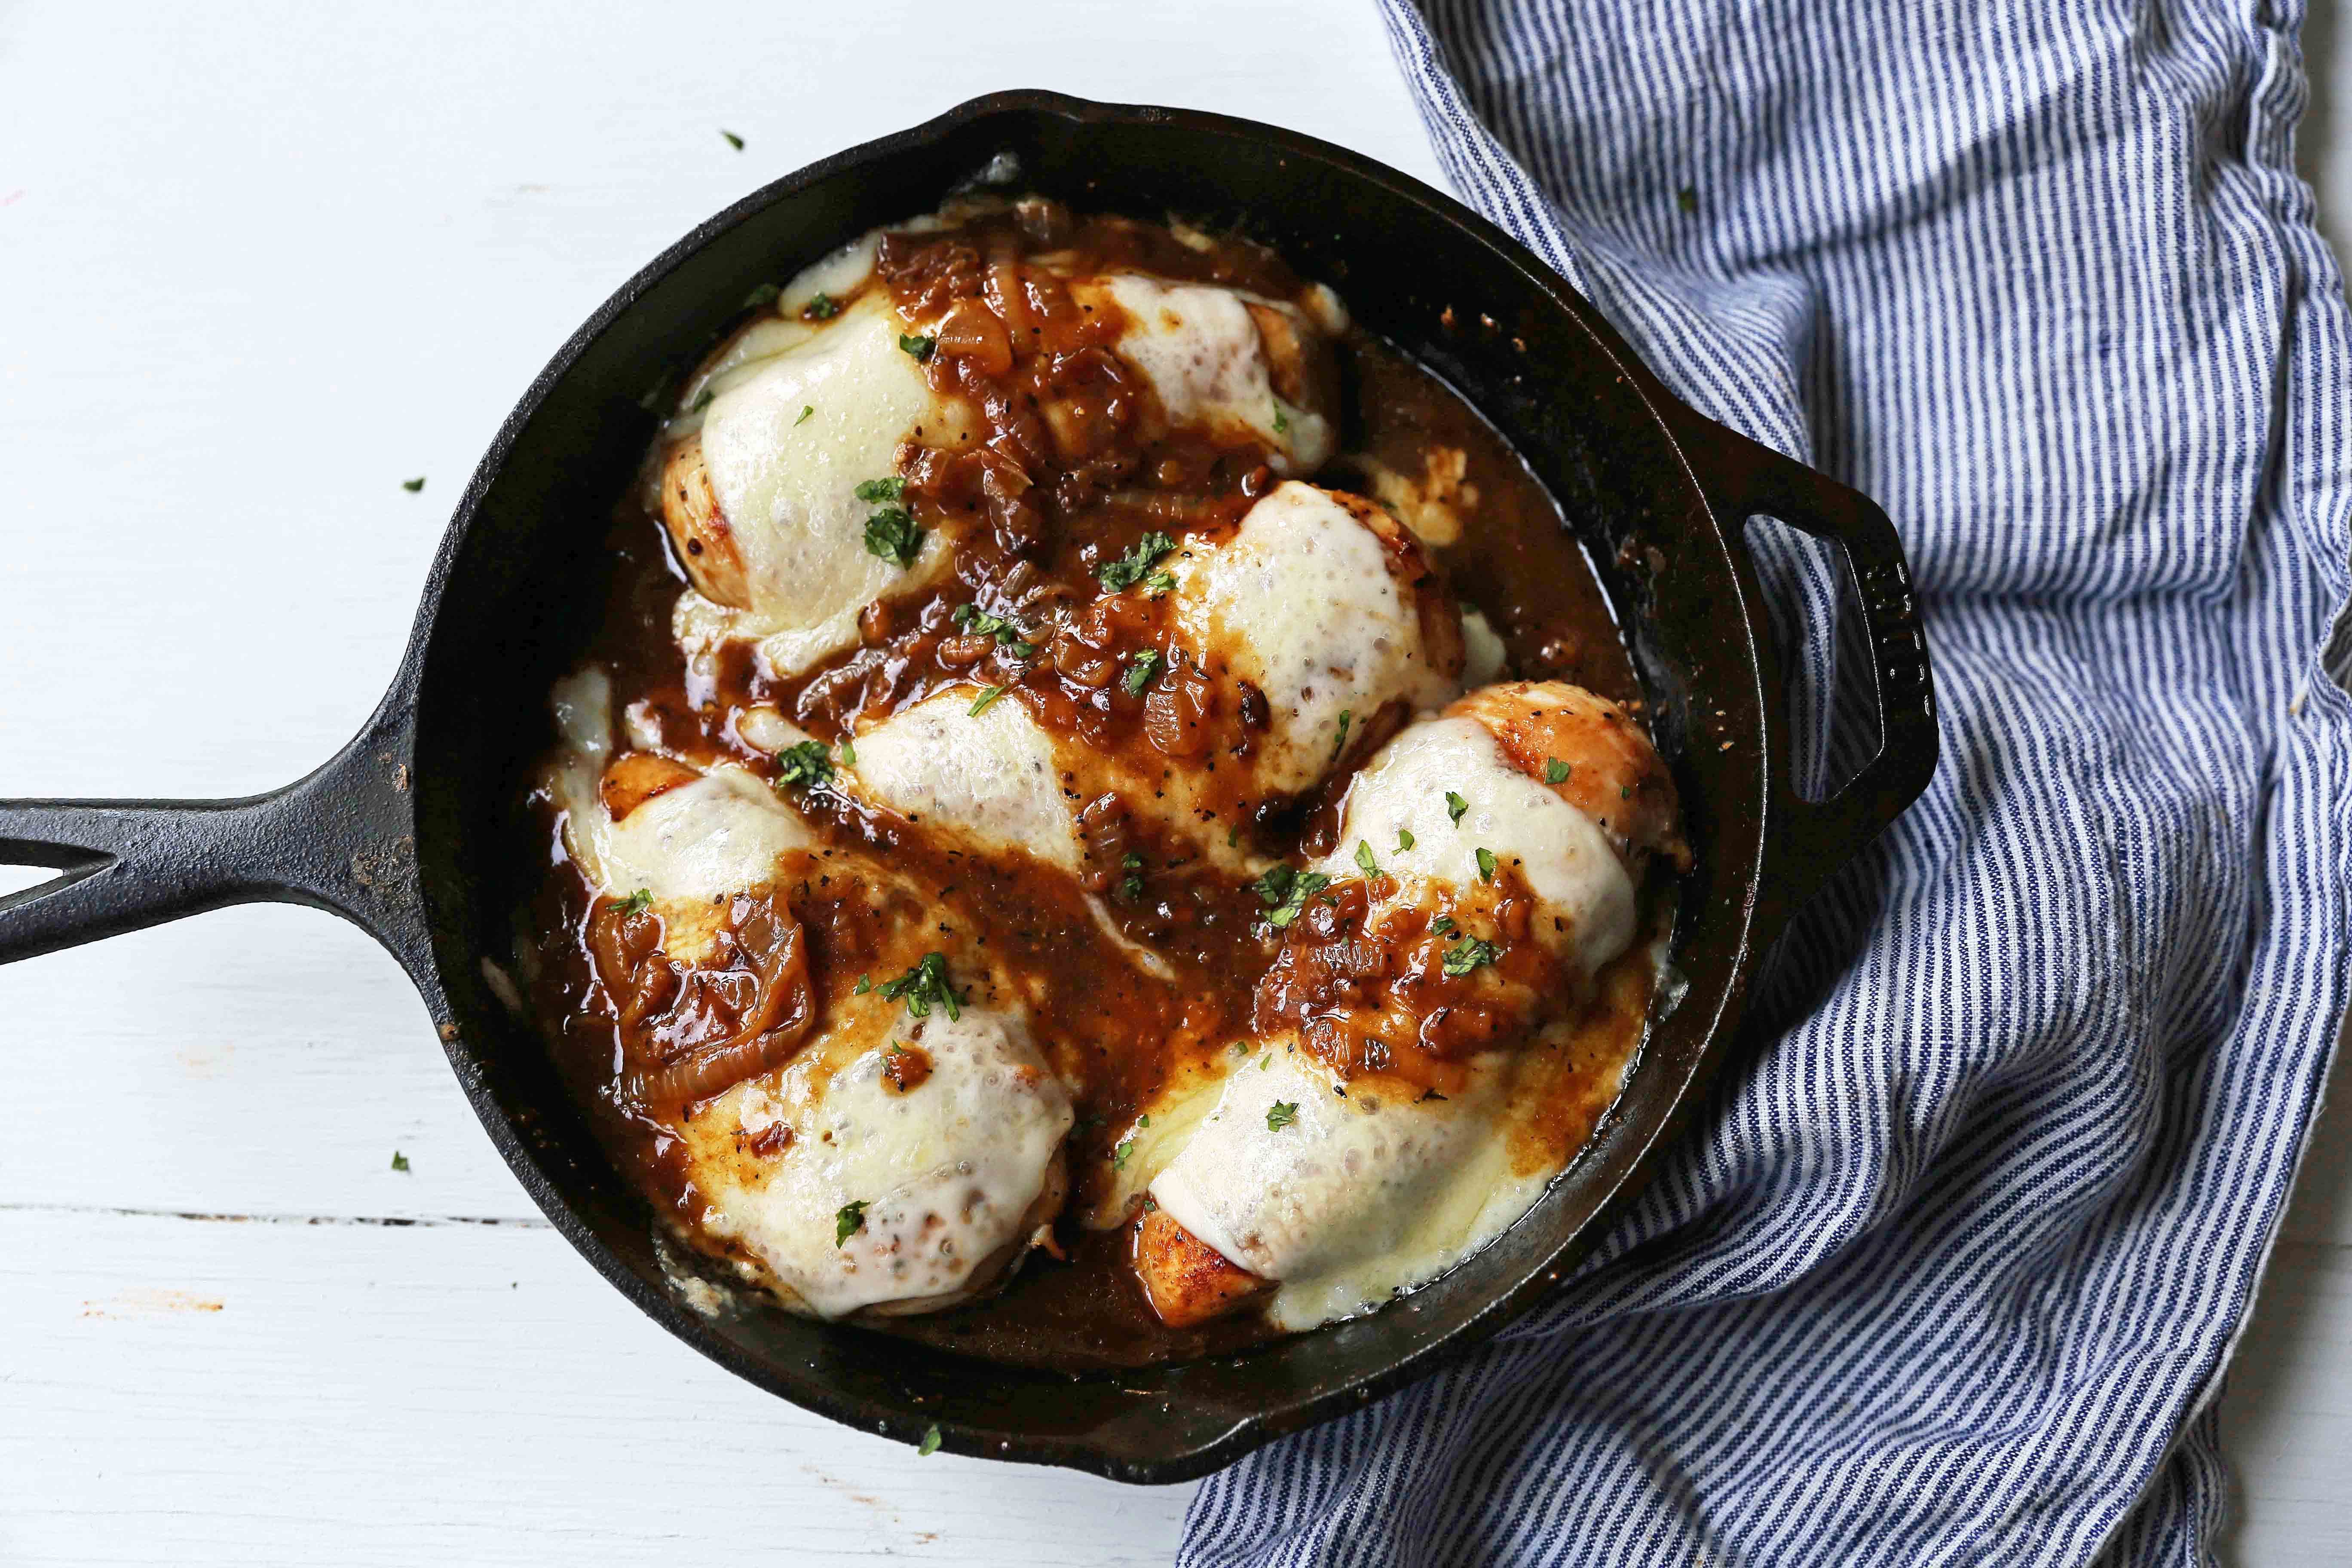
257	266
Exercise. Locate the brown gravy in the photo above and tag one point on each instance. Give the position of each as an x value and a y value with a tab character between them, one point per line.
1094	487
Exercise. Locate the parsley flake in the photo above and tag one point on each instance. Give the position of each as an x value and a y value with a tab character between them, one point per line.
803	767
1364	857
862	987
1555	770
923	986
1141	667
1346	717
1118	1155
1161	581
980	623
890	489
732	139
918	345
806	409
849	1221
763	297
413	486
399	1161
1130	887
639	902
822	307
1455	806
1281	420
988	694
1441	924
1404	839
1286	891
1485	864
1140	557
1474	953
848	753
930	1442
1281	1114
891	534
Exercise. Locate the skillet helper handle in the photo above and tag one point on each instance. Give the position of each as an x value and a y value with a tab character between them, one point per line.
1807	841
341	839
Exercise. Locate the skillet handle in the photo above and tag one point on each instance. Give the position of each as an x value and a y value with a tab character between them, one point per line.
1808	841
341	839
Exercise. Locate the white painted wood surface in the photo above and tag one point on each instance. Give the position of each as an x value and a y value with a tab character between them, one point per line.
257	266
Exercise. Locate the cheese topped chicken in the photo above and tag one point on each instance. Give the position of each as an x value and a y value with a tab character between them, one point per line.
1064	775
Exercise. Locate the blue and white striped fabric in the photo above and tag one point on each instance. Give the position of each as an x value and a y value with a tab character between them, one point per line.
1949	1272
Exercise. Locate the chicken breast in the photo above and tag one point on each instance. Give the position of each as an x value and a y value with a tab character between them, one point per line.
1339	1188
1315	615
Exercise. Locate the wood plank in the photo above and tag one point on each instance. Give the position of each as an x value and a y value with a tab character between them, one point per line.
257	1394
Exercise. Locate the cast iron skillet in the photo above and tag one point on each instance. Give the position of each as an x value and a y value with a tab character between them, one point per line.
412	831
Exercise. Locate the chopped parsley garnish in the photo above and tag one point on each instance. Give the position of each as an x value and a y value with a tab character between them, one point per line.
803	767
1281	420
979	622
1364	857
413	486
763	297
847	1222
1118	1155
1455	806
988	694
1625	794
806	409
1140	557
862	987
822	307
1286	890
1474	953
1555	770
919	346
399	1161
1485	864
1281	1114
930	1442
1346	717
732	139
1141	668
1441	924
848	753
1404	839
891	533
1130	887
923	986
1143	1120
1160	581
701	400
890	489
639	902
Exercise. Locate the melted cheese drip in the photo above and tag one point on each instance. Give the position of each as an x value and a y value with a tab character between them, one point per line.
1301	603
947	1170
787	485
1587	901
1197	346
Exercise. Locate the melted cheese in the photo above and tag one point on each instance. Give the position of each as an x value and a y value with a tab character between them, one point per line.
1586	905
1197	346
1301	603
992	776
787	484
947	1171
1358	1196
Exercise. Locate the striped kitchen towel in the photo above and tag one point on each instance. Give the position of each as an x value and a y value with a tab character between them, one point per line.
1951	1267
